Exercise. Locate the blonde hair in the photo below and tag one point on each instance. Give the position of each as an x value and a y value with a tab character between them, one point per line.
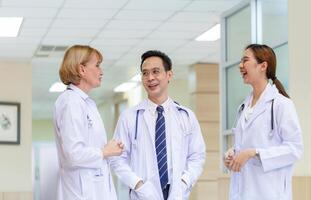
75	56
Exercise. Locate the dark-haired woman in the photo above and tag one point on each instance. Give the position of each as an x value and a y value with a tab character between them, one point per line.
267	135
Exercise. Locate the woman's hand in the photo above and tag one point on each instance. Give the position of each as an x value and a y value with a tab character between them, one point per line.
239	160
112	148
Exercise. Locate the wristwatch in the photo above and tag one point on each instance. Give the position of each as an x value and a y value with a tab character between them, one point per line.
257	153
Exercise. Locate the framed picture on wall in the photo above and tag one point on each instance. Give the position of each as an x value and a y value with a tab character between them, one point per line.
9	123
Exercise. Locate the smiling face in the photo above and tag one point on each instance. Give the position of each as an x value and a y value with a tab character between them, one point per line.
91	73
252	72
155	79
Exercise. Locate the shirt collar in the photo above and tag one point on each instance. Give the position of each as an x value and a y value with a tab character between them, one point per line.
151	106
80	92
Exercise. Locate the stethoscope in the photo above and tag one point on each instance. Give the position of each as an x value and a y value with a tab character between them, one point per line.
138	111
242	106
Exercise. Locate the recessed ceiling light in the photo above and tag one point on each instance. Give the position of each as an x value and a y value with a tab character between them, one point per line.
211	34
136	78
125	87
9	26
58	87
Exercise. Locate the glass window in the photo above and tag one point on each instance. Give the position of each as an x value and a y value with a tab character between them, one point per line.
274	22
238	33
282	66
236	92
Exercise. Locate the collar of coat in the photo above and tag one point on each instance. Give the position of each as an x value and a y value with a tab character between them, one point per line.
74	88
172	104
269	93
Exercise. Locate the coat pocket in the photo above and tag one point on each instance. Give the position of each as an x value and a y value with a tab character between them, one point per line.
147	192
86	186
185	191
101	188
95	187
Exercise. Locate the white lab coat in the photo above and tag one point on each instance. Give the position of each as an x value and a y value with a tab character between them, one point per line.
270	177
80	135
138	162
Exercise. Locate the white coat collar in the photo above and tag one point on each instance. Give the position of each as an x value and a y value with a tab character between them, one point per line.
77	90
148	104
152	107
269	93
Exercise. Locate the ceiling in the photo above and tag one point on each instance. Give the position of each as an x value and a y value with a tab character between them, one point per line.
121	29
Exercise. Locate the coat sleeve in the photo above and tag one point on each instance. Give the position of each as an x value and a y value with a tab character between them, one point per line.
72	131
196	153
121	164
291	147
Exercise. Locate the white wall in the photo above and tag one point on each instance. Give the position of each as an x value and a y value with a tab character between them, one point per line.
299	42
15	167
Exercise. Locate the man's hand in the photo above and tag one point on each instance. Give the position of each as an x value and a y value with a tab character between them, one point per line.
138	185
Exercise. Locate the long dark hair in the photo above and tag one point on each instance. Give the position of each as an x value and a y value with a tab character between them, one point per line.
264	53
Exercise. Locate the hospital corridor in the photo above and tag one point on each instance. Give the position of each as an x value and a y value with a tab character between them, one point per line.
180	70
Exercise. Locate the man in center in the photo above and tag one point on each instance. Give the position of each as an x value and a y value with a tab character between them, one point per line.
164	151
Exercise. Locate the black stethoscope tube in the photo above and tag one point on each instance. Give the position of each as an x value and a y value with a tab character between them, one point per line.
272	114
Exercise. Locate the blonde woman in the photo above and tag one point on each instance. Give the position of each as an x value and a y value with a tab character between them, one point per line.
79	131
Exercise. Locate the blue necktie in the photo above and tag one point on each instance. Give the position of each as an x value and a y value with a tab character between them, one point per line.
160	144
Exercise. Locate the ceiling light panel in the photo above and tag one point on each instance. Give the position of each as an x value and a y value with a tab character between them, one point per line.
211	34
57	87
9	26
